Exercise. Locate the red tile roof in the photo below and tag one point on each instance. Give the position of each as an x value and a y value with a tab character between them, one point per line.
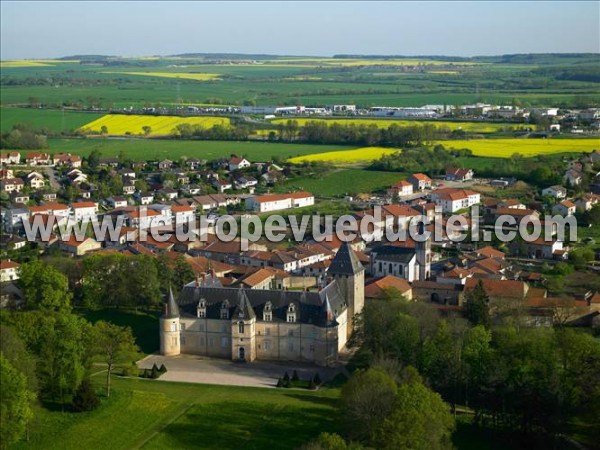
8	264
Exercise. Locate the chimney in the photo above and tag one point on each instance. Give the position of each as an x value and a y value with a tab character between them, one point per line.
197	281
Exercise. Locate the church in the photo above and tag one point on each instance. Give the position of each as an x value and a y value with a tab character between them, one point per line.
278	325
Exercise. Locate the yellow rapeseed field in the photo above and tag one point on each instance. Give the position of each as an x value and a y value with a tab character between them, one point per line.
342	157
475	127
505	148
32	63
121	124
182	75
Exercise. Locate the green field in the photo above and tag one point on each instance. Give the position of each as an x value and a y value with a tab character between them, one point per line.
156	414
347	181
142	149
54	120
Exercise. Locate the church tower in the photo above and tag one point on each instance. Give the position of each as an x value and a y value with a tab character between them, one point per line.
349	274
423	254
169	328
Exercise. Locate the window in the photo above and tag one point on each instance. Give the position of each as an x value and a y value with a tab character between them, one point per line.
182	326
173	326
224	314
267	345
268	316
241	327
291	333
200	327
182	340
267	331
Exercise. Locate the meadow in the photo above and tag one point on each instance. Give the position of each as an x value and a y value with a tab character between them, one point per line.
156	414
344	181
475	127
130	124
53	120
505	148
346	157
143	149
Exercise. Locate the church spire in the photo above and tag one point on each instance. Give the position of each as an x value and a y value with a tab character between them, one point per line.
172	309
345	262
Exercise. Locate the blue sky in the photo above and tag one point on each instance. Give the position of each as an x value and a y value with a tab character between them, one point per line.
52	29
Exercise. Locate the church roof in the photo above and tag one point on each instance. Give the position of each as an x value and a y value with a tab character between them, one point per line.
345	262
392	253
243	309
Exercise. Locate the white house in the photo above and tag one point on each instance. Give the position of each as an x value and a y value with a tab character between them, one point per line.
9	270
237	163
587	201
420	181
573	177
144	198
10	158
558	192
401	189
36	180
11	185
452	200
84	210
182	213
276	202
117	202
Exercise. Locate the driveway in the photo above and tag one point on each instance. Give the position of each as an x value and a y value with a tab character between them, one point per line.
200	369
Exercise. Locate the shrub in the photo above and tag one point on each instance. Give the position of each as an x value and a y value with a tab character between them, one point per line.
311	385
154	373
317	379
286	377
287	383
85	398
295	376
279	383
162	369
145	373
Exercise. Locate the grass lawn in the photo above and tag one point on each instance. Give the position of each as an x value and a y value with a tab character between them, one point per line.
139	149
144	325
346	181
157	414
54	120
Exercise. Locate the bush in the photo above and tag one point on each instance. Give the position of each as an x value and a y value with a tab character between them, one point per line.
145	373
162	369
154	373
295	376
287	383
312	385
131	371
286	377
279	383
317	379
85	398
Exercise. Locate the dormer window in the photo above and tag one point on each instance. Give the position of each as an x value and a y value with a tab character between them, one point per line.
201	309
225	310
268	312
291	313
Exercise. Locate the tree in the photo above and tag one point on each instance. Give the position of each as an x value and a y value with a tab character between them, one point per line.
45	288
93	159
419	420
15	403
147	130
477	306
85	398
113	344
367	399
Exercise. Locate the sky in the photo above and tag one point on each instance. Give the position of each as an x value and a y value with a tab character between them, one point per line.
49	29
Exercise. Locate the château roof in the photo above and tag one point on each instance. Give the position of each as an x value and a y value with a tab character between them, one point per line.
345	262
172	308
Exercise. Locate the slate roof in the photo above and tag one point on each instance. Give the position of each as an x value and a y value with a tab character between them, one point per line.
172	308
392	253
345	262
312	307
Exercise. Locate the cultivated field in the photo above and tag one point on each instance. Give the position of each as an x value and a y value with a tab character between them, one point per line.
346	157
505	148
121	124
180	75
53	120
476	127
143	149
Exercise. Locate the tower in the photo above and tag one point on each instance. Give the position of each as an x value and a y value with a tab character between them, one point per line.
349	274
243	329
170	342
423	254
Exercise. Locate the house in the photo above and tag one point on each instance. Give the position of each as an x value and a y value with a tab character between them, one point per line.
499	291
182	214
37	158
191	189
378	287
409	263
66	159
10	158
540	249
587	201
194	164
245	182
15	216
49	196
17	197
420	181
222	185
573	177
165	164
454	174
144	198
237	163
517	214
511	203
244	324
9	270
564	208
400	189
109	162
277	202
127	174
84	211
558	192
79	246
12	241
451	200
36	180
169	193
6	173
144	218
215	201
129	188
117	202
11	185
76	176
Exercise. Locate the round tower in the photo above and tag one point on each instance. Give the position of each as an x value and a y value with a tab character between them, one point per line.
170	342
